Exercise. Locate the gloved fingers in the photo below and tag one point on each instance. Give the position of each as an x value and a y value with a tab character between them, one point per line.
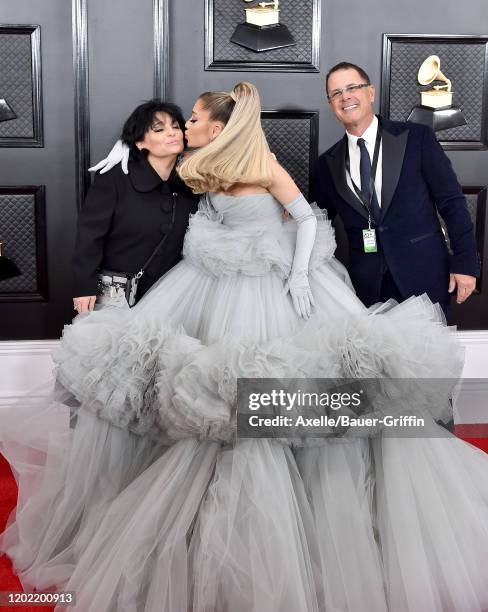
125	161
303	306
294	301
109	164
310	297
100	164
119	153
296	304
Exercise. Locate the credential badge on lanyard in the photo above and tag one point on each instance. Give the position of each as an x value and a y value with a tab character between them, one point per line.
369	235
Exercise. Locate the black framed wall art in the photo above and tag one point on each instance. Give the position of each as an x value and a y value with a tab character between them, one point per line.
474	313
265	36
476	204
441	81
293	138
23	238
20	86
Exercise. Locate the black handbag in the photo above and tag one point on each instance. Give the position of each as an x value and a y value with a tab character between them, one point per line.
114	287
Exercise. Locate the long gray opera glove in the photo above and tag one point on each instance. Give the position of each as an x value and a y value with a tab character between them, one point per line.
298	284
119	153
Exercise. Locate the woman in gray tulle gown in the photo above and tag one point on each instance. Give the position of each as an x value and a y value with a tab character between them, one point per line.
133	489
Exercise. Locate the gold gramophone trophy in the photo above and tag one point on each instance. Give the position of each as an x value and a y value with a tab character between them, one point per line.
436	109
262	30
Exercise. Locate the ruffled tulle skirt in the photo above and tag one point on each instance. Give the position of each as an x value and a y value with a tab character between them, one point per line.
135	494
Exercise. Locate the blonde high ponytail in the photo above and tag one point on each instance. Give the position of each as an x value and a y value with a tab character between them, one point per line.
240	154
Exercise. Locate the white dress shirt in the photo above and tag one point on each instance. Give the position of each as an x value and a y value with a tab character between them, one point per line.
355	156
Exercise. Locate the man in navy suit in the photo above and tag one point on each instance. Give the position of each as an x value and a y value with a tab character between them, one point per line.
394	183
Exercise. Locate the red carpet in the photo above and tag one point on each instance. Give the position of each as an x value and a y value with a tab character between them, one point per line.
475	433
8	580
8	497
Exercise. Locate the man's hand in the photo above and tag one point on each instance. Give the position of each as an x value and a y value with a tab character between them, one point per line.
84	304
465	286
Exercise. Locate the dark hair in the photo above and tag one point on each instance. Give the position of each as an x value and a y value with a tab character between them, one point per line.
142	118
346	66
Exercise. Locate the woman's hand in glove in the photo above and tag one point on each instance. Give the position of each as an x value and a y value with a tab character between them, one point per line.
301	294
119	153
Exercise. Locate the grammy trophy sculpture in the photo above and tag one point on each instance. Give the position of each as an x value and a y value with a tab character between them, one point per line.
436	109
262	30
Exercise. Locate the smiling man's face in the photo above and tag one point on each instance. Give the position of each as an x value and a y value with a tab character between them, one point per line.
353	109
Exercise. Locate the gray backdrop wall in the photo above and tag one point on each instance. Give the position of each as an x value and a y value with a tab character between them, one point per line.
121	50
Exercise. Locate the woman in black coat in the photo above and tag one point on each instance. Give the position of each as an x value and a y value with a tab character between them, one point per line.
125	216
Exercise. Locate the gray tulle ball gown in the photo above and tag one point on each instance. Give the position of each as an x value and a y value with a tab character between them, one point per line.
134	493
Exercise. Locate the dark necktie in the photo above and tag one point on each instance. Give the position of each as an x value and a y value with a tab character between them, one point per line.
365	172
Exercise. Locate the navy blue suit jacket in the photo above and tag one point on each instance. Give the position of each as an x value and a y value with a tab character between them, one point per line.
418	181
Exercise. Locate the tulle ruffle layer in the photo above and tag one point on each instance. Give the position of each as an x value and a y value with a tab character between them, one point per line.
220	250
69	468
154	379
201	526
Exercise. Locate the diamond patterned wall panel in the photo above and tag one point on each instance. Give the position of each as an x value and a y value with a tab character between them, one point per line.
16	84
20	85
297	16
463	63
472	202
294	142
19	233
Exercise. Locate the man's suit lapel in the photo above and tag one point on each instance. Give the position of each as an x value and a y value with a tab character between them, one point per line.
393	146
336	162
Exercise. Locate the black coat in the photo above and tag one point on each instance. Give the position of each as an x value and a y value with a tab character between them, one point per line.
123	219
418	183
